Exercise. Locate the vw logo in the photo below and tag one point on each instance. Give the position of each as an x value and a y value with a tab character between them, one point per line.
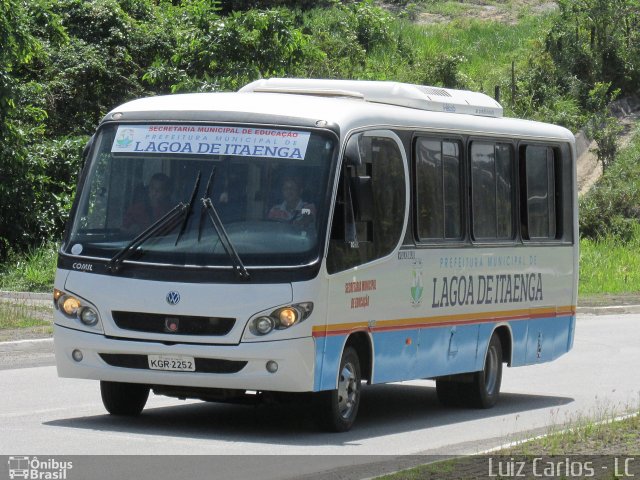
173	298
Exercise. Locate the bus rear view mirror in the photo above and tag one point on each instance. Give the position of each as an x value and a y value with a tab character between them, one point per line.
362	196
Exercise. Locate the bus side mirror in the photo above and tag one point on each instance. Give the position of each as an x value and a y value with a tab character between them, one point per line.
362	196
352	155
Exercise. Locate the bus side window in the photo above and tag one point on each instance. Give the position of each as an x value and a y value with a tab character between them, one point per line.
492	191
382	161
438	189
539	220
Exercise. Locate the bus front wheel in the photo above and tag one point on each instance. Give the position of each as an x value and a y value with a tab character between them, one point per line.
123	398
337	409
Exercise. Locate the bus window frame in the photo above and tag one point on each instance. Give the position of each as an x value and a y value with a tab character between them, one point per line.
164	272
397	137
563	200
516	235
464	185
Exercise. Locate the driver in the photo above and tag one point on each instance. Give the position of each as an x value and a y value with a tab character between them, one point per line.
293	209
151	207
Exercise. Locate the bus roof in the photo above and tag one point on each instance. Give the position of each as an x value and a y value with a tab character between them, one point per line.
342	107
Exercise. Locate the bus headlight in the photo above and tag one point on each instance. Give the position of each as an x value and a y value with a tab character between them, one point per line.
287	317
76	309
263	325
281	318
88	316
69	305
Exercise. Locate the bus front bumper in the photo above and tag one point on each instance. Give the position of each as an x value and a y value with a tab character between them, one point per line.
295	359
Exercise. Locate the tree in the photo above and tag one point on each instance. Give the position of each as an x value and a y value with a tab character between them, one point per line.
598	41
17	48
602	126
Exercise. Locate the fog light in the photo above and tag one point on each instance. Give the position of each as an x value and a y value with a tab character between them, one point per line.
272	366
264	325
77	355
88	316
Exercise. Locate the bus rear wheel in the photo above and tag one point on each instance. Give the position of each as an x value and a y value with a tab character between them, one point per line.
337	409
127	399
479	389
484	390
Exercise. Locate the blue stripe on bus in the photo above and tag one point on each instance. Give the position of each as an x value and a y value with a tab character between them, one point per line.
430	352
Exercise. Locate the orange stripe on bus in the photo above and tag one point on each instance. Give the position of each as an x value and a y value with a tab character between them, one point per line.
443	321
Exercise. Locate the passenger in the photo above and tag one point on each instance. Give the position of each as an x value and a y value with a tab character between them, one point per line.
153	205
293	209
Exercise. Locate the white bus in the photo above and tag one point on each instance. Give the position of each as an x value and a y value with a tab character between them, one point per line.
313	236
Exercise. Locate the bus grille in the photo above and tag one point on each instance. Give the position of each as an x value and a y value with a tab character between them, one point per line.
173	324
203	365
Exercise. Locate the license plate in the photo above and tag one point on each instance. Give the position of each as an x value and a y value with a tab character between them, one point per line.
172	363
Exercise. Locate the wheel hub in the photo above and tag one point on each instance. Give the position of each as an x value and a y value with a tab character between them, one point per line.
347	390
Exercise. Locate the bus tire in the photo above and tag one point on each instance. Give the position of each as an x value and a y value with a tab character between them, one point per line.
484	390
126	399
337	409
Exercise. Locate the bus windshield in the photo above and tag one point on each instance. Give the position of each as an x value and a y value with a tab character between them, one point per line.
267	186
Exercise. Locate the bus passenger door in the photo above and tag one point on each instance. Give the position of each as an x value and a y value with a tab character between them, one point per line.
367	297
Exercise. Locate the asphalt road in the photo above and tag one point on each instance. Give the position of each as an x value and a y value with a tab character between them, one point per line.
43	414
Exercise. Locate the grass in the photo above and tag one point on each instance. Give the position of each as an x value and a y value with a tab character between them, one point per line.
33	271
588	439
490	46
609	266
601	431
21	315
481	50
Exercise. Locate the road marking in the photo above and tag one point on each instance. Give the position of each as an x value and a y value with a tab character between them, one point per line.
22	342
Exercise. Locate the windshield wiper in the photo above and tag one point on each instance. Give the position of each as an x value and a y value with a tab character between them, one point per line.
164	225
189	210
207	205
207	194
236	262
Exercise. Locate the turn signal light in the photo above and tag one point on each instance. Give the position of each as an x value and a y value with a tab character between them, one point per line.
56	295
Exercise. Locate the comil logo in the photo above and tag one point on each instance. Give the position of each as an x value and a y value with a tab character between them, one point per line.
36	469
